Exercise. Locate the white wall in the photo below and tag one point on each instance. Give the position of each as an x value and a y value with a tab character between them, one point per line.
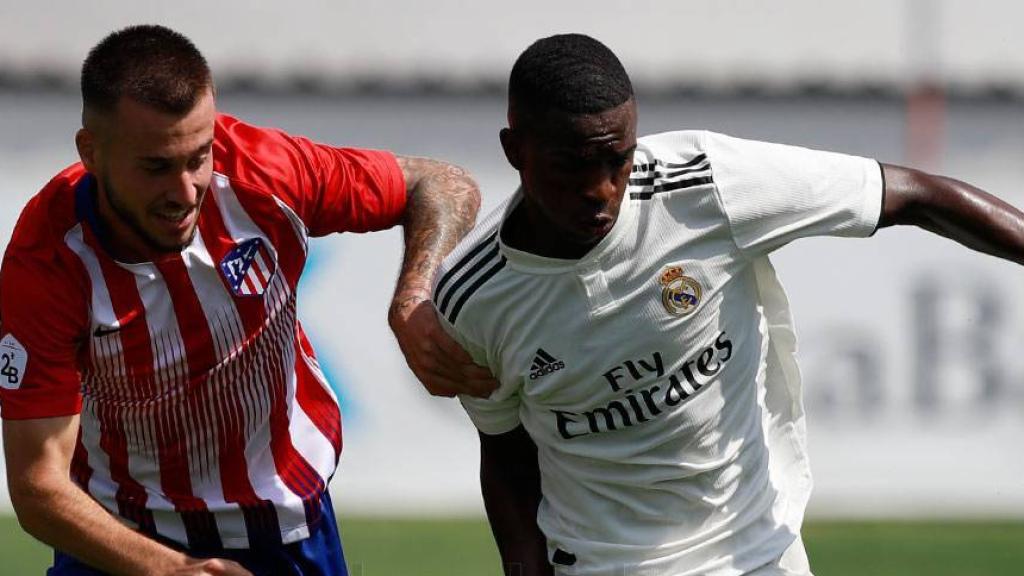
720	42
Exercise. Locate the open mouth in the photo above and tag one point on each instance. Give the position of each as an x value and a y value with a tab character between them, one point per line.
176	219
599	224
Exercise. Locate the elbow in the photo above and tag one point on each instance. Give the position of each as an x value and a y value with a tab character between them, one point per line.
910	194
467	185
31	500
26	511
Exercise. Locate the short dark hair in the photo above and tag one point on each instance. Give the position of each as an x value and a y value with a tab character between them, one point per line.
571	73
151	64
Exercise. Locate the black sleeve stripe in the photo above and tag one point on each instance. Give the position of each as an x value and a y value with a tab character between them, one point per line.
669	186
649	180
474	287
652	165
462	263
465	277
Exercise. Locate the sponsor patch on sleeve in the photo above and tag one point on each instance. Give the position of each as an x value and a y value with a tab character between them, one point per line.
13	358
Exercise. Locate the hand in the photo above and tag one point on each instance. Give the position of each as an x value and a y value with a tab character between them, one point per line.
210	567
439	362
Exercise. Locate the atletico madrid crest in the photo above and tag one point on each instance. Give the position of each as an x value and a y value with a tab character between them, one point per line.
248	268
681	294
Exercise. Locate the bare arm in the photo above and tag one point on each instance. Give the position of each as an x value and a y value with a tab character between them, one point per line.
953	209
510	482
442	204
55	510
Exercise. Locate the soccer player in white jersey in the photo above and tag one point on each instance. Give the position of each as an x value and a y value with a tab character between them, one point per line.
649	417
161	403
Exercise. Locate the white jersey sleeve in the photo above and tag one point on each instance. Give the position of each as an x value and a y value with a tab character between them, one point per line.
773	194
463	274
496	414
499	412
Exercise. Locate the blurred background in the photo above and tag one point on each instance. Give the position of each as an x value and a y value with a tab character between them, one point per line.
910	345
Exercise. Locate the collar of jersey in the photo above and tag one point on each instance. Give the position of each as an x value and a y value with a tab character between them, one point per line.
536	264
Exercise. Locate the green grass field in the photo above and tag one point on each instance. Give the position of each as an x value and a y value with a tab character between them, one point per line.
377	547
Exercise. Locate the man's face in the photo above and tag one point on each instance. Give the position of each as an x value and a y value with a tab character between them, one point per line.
574	169
153	169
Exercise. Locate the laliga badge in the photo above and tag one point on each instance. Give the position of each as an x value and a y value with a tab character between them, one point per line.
681	294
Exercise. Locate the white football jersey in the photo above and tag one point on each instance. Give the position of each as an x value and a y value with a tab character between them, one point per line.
656	374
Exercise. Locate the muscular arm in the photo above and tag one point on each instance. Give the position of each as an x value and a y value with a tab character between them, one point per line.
55	510
510	482
442	204
953	209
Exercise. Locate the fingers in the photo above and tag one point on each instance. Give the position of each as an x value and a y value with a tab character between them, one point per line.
451	349
443	366
229	568
444	379
447	380
478	381
212	567
441	372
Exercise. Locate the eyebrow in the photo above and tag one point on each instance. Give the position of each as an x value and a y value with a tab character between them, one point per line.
156	159
575	152
628	151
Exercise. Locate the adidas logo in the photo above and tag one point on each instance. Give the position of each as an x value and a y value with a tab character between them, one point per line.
543	364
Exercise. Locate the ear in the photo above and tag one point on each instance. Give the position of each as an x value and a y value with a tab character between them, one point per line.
85	141
511	142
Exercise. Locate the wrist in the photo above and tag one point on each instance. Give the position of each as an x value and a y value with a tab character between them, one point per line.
406	301
160	559
421	292
410	296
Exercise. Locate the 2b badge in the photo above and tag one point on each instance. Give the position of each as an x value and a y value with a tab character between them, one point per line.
13	358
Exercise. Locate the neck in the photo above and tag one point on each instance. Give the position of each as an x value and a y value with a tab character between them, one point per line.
528	230
119	239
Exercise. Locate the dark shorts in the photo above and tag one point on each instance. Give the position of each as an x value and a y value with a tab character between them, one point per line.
318	555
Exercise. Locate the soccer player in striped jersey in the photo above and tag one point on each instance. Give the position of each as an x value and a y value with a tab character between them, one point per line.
163	411
649	418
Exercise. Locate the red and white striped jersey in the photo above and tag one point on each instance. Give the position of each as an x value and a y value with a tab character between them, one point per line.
205	417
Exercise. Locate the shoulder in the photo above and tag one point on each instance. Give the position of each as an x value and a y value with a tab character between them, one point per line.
40	272
49	215
262	165
476	261
673	164
668	163
681	146
676	144
251	153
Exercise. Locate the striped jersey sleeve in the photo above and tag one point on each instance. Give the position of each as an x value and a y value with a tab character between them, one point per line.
474	262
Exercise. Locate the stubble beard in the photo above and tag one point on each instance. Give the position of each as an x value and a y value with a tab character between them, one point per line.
133	223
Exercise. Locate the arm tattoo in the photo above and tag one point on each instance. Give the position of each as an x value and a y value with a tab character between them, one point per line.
441	208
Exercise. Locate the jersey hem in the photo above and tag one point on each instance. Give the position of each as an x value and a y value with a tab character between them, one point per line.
22	409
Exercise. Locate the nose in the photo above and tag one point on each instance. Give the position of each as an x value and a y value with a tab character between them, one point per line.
183	189
600	187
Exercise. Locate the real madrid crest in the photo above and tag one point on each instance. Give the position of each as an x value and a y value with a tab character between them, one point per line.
681	294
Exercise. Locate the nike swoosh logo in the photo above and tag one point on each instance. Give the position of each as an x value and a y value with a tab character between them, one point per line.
102	331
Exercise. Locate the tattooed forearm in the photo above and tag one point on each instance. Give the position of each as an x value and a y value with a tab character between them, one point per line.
442	204
441	208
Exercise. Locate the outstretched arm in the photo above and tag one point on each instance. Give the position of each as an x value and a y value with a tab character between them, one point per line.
55	510
441	208
953	209
510	482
